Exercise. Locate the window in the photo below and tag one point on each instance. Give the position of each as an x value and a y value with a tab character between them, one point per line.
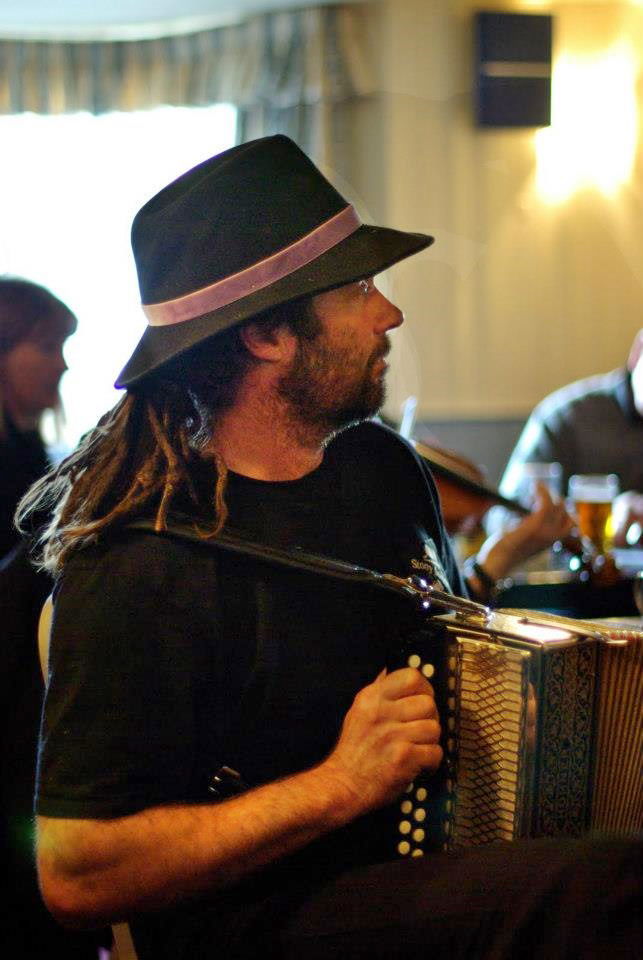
69	188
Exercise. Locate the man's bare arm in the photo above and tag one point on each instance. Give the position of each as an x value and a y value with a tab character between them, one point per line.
96	871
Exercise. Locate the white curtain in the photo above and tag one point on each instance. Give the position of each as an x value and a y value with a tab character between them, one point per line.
292	72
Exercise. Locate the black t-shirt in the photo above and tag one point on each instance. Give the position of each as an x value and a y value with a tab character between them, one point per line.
170	658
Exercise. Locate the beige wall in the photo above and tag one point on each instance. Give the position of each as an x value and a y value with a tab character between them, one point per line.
519	295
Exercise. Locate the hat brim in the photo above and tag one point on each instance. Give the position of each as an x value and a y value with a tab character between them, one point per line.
364	253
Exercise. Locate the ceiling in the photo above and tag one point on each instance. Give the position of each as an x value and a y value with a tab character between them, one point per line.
79	18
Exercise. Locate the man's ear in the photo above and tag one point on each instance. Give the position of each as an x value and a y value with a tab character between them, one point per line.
265	343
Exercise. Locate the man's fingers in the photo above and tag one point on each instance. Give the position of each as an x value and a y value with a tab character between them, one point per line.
544	500
422	731
418	707
429	756
405	683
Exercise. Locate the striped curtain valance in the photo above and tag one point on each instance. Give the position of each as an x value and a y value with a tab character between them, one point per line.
283	59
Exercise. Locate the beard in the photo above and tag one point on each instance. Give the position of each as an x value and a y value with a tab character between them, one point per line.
330	386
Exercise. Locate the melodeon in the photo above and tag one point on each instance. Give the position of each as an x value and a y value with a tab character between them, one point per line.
541	714
542	729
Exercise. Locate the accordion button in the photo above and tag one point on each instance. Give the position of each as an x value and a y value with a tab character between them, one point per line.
417	852
451	683
451	723
406	806
410	788
451	703
418	836
405	827
428	670
404	848
420	794
414	660
420	815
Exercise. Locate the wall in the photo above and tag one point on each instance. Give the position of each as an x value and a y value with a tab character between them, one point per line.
520	293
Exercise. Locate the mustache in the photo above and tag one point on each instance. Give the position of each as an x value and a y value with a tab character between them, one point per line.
382	351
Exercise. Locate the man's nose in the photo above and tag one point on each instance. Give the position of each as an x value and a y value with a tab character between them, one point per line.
389	316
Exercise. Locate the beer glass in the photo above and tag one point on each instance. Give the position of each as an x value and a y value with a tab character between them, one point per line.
592	495
531	474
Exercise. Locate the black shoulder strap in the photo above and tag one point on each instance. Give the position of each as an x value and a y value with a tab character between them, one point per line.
296	558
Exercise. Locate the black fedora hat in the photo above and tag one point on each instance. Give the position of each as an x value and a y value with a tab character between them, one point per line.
249	229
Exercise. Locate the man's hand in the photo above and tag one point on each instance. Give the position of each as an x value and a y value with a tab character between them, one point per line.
389	735
547	523
627	516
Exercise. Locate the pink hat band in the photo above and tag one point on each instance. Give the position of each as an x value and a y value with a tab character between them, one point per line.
257	277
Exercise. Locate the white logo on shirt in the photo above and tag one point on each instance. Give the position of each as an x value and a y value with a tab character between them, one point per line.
431	566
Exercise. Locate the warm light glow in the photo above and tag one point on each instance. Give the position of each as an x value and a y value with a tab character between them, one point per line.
592	139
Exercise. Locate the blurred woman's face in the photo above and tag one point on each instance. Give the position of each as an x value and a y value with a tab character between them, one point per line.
31	373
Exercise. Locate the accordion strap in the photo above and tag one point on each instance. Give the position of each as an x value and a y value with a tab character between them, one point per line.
295	558
414	587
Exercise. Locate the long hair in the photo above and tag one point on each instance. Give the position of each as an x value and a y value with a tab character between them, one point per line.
28	311
142	456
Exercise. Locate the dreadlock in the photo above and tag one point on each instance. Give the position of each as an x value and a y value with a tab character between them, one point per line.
141	455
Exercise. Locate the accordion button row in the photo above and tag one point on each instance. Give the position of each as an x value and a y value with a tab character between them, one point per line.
411	806
405	849
426	669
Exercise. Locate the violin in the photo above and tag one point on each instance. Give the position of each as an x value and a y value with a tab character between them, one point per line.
465	495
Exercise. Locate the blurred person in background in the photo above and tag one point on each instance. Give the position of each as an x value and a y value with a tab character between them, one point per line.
592	426
34	325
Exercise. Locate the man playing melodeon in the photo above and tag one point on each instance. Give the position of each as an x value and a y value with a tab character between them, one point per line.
221	738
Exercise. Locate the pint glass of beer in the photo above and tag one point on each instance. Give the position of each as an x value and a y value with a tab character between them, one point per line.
592	495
